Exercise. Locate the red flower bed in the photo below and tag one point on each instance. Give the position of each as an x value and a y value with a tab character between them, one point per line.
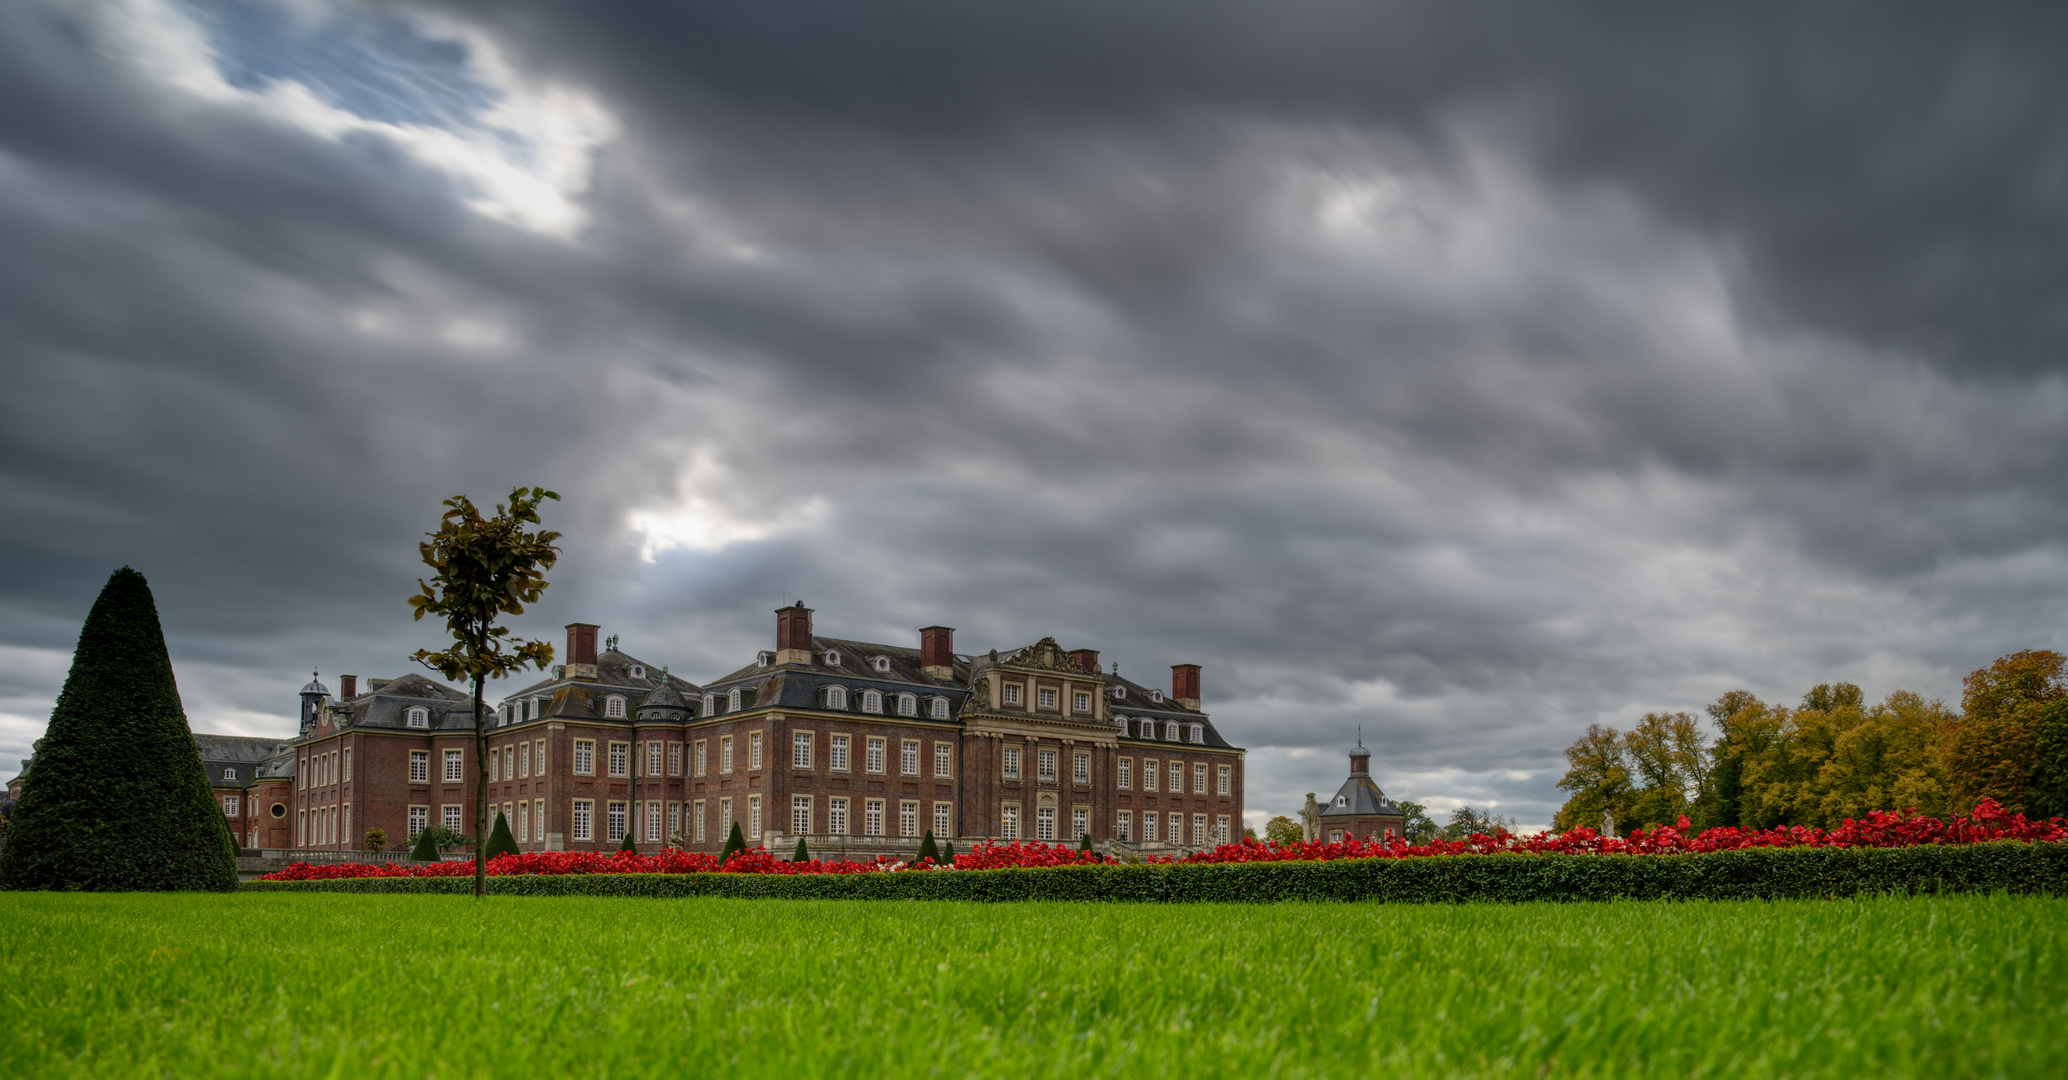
1880	829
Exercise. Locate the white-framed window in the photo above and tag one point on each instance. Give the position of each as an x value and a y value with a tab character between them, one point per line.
495	766
453	820
753	750
1080	767
455	766
908	705
538	821
836	752
1124	772
800	814
524	759
1011	693
1198	733
1199	779
653	823
1046	760
1011	765
613	706
836	816
301	773
638	672
585	757
230	806
1224	779
764	658
939	708
1176	835
1148	826
836	697
1221	829
1009	822
908	757
832	658
732	701
1157	696
419	820
882	663
1080	822
614	821
724	753
872	817
800	749
710	705
301	828
230	776
524	823
872	701
943	819
1148	774
1124	826
419	717
1120	693
538	757
698	814
620	760
754	817
944	761
875	754
1170	731
1080	702
583	820
1047	697
725	817
703	745
908	817
674	822
1199	829
1045	823
653	758
1177	777
509	764
538	707
674	759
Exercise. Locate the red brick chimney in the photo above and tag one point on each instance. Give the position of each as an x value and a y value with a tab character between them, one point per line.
347	687
1088	659
1184	684
581	650
793	634
937	652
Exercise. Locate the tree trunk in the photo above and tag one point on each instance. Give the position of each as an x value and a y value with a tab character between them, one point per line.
480	792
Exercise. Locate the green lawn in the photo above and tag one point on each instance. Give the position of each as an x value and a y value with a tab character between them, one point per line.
285	985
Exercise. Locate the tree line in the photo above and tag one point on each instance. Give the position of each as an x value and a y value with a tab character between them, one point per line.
1833	756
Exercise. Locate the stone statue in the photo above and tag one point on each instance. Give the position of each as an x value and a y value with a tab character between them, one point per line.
1608	823
1310	819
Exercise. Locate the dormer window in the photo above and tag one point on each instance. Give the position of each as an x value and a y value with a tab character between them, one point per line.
872	701
832	658
882	663
1170	731
836	697
1120	693
421	717
764	658
908	705
537	704
1148	729
940	708
1342	800
1199	733
638	672
1156	696
230	775
613	706
732	701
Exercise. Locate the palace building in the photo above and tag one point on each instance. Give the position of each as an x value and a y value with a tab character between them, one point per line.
857	747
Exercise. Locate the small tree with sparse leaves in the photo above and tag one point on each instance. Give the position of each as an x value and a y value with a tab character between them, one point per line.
376	839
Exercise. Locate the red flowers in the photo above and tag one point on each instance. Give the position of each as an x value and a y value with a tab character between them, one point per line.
1881	829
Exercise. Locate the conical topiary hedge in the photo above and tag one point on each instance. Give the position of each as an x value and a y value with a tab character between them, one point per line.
426	849
117	798
927	850
733	844
801	854
629	844
500	839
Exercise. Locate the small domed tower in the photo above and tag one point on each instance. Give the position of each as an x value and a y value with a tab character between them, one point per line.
313	696
664	703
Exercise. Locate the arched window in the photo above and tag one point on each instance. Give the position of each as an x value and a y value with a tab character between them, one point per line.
421	717
940	708
1170	731
638	672
613	706
908	705
710	704
872	702
1156	695
883	663
832	658
230	775
538	705
732	701
1199	733
764	658
1120	693
836	697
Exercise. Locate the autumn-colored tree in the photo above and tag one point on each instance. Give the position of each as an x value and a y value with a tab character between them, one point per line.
1668	758
1890	760
1992	749
485	568
1597	778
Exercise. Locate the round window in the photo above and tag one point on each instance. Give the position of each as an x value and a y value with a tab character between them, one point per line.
279	809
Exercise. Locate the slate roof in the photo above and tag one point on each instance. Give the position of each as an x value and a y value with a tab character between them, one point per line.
617	673
795	686
1362	798
243	756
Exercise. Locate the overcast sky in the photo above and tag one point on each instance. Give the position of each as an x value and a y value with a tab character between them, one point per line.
1471	373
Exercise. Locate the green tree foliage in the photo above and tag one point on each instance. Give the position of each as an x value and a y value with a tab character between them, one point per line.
484	569
948	853
2050	761
1283	831
802	854
500	841
927	848
628	844
1416	825
426	849
1466	820
1993	747
1597	779
376	839
734	843
116	797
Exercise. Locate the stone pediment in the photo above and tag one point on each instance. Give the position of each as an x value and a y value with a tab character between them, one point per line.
1046	655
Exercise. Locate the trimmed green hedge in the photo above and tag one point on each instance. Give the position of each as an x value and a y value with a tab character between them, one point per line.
1771	873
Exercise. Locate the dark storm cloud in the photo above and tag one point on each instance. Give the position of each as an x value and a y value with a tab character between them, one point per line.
1467	374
